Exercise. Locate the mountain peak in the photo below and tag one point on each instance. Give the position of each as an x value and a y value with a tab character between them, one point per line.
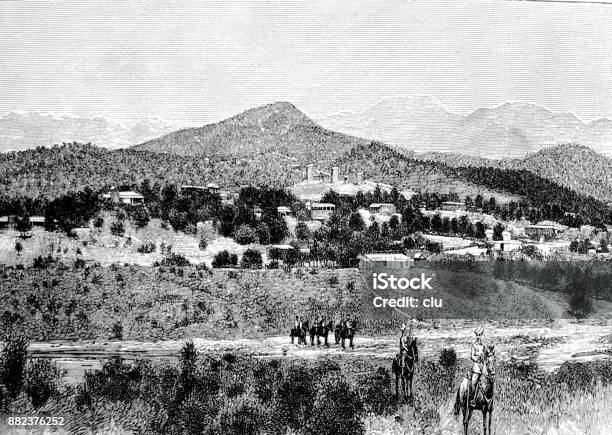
278	127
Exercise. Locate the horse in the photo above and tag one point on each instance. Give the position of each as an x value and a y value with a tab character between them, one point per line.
348	333
295	332
337	332
323	329
483	396
303	333
403	367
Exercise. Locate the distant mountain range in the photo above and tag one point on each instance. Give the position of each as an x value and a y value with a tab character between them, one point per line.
23	130
272	143
511	130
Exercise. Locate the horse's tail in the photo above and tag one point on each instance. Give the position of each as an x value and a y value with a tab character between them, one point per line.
458	401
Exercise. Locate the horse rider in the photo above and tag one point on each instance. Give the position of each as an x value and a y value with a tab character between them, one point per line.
404	343
477	355
297	323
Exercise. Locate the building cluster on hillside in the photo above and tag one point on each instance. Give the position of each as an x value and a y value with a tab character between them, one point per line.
319	182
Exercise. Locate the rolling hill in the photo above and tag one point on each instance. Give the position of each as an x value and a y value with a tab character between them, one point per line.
570	165
279	127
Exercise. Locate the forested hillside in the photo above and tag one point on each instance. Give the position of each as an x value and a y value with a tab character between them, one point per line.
381	163
278	128
71	167
574	166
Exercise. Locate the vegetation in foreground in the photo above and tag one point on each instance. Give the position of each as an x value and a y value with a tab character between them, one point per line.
237	394
54	300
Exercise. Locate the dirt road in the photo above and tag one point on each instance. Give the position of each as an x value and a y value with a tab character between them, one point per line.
548	346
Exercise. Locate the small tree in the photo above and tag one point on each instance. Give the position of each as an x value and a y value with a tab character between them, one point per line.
245	235
356	222
603	246
225	259
263	233
498	229
117	331
98	222
18	247
302	232
251	259
141	217
480	230
23	224
13	364
117	228
40	381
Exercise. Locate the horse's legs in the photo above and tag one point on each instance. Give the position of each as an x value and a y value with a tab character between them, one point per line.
484	421
351	342
343	346
396	382
411	386
490	414
466	420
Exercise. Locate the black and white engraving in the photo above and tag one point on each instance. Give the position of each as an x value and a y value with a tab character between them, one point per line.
329	217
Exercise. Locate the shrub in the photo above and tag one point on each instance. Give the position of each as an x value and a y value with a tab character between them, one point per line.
575	375
245	235
117	228
203	244
13	364
40	381
251	259
241	415
18	247
337	409
116	331
225	259
375	391
79	263
41	262
448	358
116	381
302	232
146	248
98	222
295	396
176	260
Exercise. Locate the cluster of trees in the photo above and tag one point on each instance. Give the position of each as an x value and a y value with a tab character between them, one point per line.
583	246
240	222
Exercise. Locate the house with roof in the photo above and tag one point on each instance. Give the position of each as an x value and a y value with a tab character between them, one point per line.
284	211
320	211
391	261
381	208
452	206
126	197
545	230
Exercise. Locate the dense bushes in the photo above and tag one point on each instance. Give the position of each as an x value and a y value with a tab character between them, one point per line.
12	365
41	381
251	259
146	248
225	259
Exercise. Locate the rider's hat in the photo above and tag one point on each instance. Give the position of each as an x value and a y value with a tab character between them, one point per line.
479	330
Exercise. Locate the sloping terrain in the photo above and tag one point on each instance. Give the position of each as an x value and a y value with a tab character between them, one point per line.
275	128
570	165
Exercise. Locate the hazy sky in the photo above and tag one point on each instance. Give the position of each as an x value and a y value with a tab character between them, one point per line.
200	62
